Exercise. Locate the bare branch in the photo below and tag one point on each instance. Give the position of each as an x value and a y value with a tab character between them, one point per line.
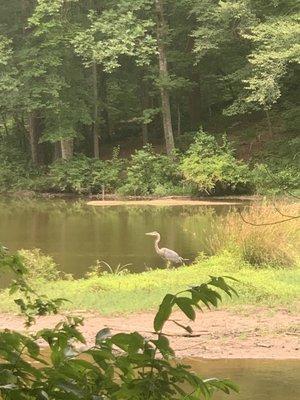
267	223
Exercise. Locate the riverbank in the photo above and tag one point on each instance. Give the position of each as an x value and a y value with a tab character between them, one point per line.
251	333
167	202
121	294
115	199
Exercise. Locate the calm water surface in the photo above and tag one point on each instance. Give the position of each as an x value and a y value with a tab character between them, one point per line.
258	379
77	235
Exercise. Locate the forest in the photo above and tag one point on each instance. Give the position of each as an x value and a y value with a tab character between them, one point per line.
149	97
149	199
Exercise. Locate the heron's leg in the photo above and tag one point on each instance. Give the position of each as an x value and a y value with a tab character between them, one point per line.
168	264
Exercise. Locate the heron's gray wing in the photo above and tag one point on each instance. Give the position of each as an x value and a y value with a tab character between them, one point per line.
170	255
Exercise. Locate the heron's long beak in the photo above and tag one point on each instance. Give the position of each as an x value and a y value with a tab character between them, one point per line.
149	234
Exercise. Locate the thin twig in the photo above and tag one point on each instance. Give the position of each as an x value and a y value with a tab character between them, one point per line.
267	223
283	215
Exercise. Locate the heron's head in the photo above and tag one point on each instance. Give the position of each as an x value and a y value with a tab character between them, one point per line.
152	233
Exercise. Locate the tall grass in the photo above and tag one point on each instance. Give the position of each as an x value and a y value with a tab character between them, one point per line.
268	244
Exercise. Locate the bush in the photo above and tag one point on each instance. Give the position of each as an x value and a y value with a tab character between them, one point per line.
278	169
84	175
274	245
16	175
268	178
39	266
148	172
213	167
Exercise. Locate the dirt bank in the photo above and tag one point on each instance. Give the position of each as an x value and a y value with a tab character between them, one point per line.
254	333
164	202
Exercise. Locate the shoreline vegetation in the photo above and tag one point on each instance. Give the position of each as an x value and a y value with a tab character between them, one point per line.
263	258
125	293
207	168
262	322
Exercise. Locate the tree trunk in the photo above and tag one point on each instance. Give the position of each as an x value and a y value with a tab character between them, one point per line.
195	105
57	151
67	146
163	72
269	122
145	104
145	134
178	120
104	116
33	124
96	133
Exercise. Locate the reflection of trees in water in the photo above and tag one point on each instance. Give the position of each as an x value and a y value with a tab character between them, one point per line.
15	205
77	235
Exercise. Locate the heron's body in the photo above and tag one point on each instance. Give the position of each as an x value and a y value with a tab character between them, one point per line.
167	254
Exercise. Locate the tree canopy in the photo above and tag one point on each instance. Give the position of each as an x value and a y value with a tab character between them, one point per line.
77	74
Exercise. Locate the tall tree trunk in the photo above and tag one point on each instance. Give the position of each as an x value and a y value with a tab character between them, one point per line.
178	120
163	72
269	122
145	134
33	124
145	103
96	133
57	151
195	100
67	148
104	115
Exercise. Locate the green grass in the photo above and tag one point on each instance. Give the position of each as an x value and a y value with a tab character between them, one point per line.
111	294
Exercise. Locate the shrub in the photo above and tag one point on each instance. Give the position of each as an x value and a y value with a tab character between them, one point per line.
278	169
84	175
107	173
148	171
213	168
274	245
16	175
269	178
39	265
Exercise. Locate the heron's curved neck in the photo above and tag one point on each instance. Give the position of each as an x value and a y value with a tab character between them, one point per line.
157	240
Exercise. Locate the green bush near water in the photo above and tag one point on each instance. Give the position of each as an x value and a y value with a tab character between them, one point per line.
275	174
213	168
207	167
151	173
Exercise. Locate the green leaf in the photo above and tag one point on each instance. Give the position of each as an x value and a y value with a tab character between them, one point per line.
186	306
164	312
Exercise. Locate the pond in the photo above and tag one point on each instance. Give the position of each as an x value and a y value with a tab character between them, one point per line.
77	235
257	379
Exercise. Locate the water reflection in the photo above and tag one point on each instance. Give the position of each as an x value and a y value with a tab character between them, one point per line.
76	235
258	379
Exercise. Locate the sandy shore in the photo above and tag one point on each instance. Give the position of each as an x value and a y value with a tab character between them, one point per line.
254	333
164	202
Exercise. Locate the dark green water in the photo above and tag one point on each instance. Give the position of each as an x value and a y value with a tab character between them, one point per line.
258	379
77	235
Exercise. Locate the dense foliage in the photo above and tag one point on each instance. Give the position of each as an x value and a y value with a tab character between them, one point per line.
78	77
120	366
213	167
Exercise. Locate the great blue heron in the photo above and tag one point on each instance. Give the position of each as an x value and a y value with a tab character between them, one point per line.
169	255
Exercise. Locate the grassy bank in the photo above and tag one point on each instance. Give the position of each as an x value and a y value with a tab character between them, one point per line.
113	294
